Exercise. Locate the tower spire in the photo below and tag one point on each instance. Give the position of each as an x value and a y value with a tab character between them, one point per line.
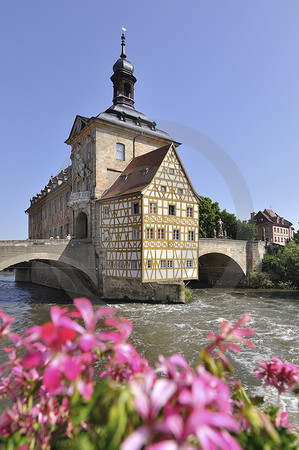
123	79
123	44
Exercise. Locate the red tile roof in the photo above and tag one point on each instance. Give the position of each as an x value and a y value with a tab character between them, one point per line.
138	174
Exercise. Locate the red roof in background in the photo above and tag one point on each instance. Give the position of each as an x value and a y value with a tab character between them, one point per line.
272	217
138	174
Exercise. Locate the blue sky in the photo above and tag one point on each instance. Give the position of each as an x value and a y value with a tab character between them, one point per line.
226	69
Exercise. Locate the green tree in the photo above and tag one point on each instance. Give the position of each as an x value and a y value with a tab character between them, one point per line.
209	215
246	231
284	264
229	223
296	237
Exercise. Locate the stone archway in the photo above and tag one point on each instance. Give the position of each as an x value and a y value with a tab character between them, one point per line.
217	269
81	226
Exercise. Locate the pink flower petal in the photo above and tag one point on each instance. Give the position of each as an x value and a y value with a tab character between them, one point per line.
32	359
72	368
85	389
52	378
162	391
86	310
136	440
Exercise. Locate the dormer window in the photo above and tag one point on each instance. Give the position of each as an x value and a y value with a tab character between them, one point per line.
120	152
144	172
124	177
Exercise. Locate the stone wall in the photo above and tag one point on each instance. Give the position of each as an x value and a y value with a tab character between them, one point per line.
130	289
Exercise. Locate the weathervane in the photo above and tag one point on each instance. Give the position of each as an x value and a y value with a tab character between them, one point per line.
123	43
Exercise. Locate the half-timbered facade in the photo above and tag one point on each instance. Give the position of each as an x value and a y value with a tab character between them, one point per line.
149	220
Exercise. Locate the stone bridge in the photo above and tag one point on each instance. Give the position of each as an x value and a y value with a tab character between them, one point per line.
227	261
60	263
74	265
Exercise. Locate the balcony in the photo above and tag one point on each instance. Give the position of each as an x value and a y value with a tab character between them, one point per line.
79	199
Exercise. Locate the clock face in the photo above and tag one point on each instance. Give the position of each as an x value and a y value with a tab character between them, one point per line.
79	126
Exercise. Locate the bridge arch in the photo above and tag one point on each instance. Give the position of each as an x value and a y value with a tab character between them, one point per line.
17	259
219	269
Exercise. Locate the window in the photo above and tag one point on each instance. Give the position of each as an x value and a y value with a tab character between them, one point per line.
55	205
55	233
267	230
60	232
171	210
67	198
134	265
153	208
161	234
106	213
106	235
135	233
45	212
163	264
189	211
189	263
176	235
88	151
61	202
88	185
150	233
274	229
120	152
149	263
121	265
190	235
111	264
79	186
169	264
171	171
163	188
127	90
144	172
67	227
180	191
135	208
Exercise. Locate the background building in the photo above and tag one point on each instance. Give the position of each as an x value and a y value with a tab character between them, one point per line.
271	227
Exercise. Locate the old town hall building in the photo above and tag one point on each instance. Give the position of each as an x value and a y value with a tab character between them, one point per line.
126	190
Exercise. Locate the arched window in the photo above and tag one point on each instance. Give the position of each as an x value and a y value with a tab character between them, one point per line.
120	152
127	90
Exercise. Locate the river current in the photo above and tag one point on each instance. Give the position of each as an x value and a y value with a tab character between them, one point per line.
168	329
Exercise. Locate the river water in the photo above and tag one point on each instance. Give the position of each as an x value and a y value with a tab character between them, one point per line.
168	329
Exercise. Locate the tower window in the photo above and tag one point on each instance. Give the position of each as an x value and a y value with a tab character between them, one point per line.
120	152
127	90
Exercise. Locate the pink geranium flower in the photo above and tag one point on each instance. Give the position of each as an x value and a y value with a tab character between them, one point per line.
231	335
278	374
6	323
